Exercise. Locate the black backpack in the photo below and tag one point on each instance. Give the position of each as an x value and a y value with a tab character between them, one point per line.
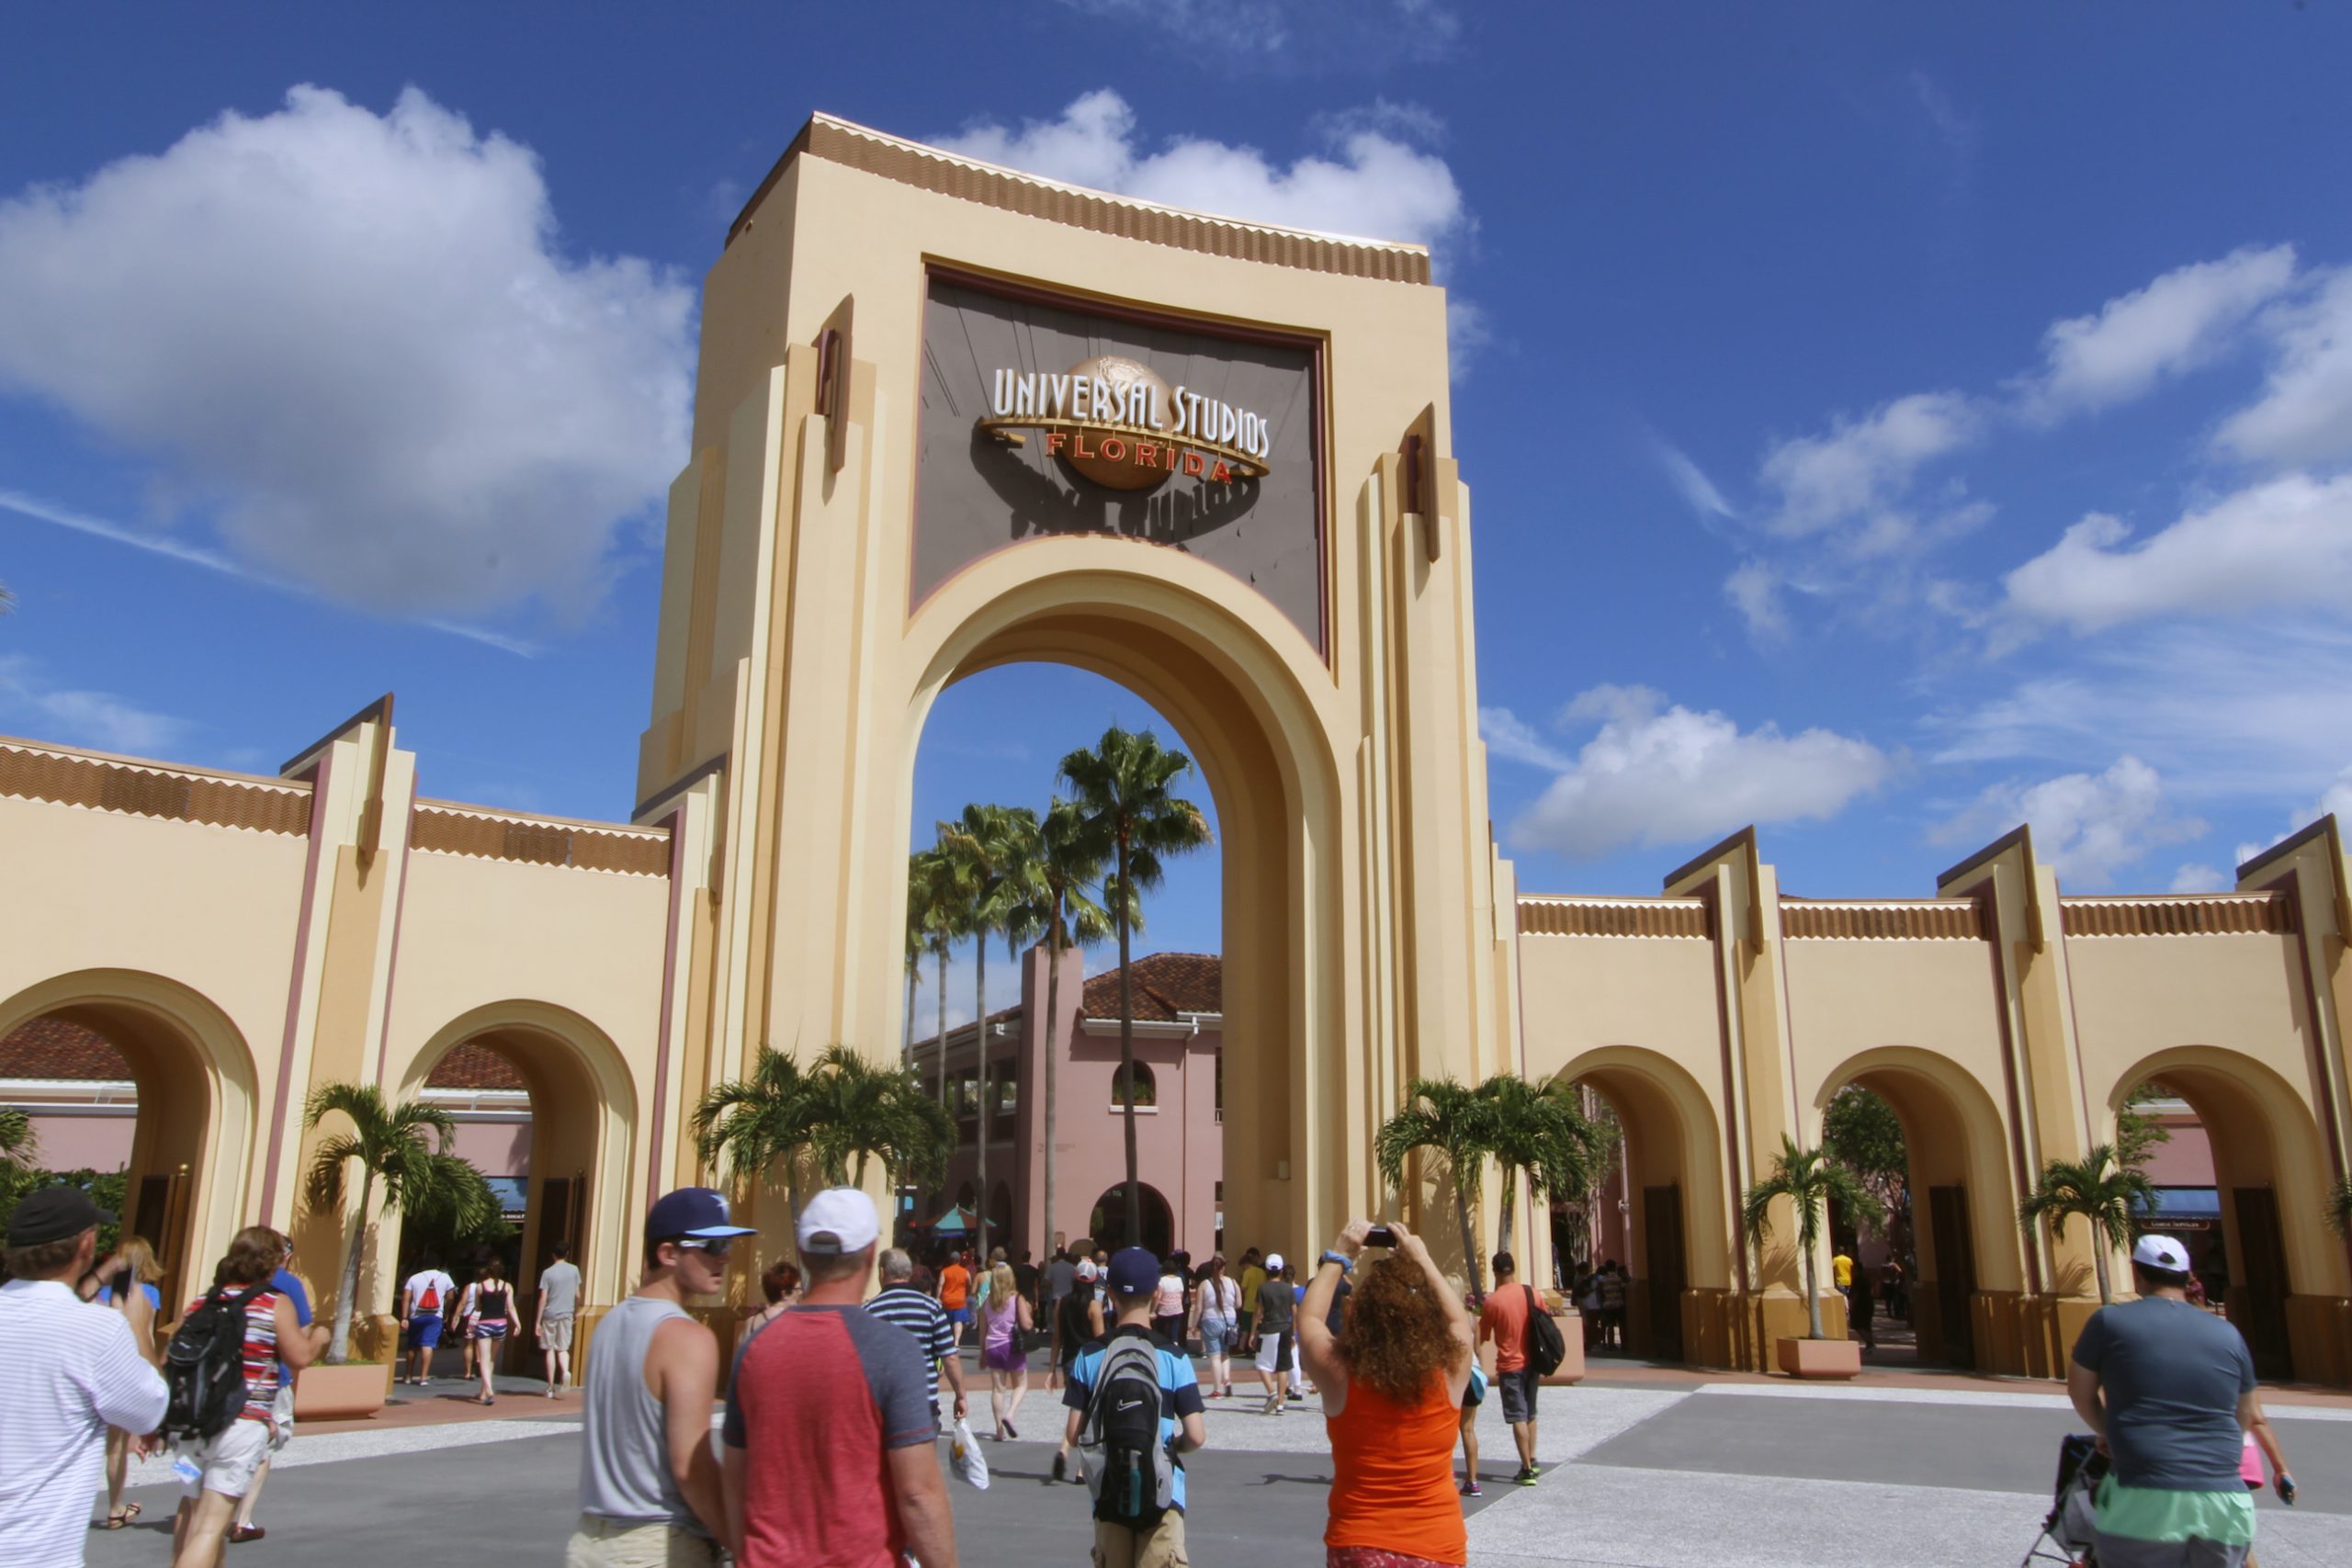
1130	1470
205	1366
1545	1349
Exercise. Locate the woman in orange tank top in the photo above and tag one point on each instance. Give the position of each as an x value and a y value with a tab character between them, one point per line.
1392	1381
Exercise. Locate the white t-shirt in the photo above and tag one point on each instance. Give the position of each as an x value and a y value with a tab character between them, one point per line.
441	1286
68	1369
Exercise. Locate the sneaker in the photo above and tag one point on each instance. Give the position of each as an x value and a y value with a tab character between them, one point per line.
1527	1478
1472	1489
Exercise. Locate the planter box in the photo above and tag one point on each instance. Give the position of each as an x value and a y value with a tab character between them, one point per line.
1571	1368
1836	1359
354	1389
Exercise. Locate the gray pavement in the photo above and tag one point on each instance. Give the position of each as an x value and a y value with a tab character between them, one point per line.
1727	1476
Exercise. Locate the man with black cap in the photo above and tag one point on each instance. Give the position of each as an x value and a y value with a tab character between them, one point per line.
68	1371
648	1483
829	1424
1126	1535
2170	1392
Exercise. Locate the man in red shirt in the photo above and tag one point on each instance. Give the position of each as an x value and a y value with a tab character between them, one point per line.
830	1422
1504	1321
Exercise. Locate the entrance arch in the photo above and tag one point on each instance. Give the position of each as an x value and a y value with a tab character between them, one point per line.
1109	1222
2270	1176
1678	1304
1224	670
191	1150
1967	1290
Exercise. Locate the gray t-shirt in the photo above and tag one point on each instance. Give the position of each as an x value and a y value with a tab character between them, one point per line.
560	1290
1061	1275
2172	1374
1274	1304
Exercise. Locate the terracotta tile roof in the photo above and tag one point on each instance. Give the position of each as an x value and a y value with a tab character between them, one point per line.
473	1067
1166	985
53	1048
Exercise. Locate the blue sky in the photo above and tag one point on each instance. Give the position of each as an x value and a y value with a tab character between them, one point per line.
1884	428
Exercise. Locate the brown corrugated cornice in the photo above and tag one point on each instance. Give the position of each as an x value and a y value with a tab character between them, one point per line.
968	179
539	841
1613	917
136	789
2215	914
1882	920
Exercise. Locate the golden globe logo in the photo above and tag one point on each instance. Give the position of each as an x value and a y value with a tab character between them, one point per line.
1120	424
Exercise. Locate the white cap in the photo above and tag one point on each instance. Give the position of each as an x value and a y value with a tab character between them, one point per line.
1086	1268
2162	1253
838	1222
1273	1263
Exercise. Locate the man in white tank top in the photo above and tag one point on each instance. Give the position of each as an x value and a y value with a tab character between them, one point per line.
648	1483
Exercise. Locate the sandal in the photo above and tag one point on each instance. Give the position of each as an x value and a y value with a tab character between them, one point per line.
240	1534
116	1521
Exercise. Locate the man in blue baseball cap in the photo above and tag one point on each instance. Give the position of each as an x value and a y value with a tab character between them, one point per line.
649	1482
1135	1405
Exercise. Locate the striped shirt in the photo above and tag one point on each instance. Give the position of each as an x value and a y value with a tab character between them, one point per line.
926	1320
261	1353
68	1369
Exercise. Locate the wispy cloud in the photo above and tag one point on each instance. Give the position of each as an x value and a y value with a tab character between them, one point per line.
81	717
1690	482
212	561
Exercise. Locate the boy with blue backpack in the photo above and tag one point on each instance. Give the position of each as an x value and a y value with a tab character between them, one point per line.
1135	1406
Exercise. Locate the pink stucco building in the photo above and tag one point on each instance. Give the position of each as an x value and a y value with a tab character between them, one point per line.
1180	1137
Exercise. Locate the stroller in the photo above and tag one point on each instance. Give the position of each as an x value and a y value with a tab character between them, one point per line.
2067	1526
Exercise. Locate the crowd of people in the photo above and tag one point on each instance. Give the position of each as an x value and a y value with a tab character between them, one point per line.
830	1412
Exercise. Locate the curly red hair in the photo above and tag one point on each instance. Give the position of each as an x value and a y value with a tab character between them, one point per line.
1396	1338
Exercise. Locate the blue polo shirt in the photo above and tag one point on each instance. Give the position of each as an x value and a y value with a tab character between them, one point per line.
1180	1391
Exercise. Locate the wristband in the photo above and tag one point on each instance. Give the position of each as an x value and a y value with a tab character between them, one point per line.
1347	1265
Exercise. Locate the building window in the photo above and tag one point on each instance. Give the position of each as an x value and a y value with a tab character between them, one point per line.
1139	1090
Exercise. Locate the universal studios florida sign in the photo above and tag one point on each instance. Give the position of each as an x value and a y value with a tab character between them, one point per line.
1118	423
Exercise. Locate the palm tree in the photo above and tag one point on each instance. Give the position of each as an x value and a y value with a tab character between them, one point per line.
745	1125
936	909
994	848
2101	1191
20	1147
1130	815
404	1148
855	1112
1812	1180
2339	1207
1541	1132
1452	1121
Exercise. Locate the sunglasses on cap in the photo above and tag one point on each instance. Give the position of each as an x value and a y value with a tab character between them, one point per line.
717	1246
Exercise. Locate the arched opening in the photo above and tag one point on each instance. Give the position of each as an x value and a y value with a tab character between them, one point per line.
147	1086
1108	1222
1224	670
1950	1234
1656	1205
545	1110
1137	1088
2263	1243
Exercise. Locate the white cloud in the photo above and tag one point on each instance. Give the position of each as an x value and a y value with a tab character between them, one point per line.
2195	876
2336	800
2086	827
1655	774
1468	336
1377	183
1279	34
2177	323
1690	482
355	337
1862	467
33	704
2305	413
1754	590
1509	735
2287	542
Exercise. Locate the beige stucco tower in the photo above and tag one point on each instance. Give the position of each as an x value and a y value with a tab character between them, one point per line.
896	481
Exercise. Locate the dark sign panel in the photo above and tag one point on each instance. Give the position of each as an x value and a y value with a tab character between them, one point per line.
1042	418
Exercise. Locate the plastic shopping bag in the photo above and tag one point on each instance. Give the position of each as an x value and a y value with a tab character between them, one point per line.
965	1458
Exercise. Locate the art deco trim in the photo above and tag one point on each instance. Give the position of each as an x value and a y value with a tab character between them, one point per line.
2217	914
1912	920
927	168
1613	917
536	841
169	794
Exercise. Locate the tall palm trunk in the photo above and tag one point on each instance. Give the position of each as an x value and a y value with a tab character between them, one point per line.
1812	1289
907	1047
940	949
2098	1262
340	1349
1053	1015
1127	1049
1510	1197
1469	1238
980	1046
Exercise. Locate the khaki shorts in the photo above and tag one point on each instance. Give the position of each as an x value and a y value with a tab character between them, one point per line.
231	1461
1162	1546
555	1333
614	1543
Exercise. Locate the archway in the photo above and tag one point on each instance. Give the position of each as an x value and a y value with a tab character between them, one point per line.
1109	1222
1963	1275
2269	1176
187	1153
1213	664
573	1150
1663	1207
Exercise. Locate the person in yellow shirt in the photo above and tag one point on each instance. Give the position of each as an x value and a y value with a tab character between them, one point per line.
1841	1268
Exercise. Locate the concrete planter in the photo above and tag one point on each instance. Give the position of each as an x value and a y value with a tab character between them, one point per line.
346	1393
1829	1358
1571	1367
